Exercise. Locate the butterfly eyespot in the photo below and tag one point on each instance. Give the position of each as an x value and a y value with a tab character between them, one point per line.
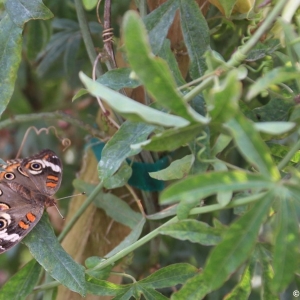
9	176
3	223
36	166
4	206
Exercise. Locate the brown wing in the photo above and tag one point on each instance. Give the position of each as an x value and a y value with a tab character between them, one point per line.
44	170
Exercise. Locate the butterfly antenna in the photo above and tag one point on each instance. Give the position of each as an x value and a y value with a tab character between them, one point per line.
83	193
59	211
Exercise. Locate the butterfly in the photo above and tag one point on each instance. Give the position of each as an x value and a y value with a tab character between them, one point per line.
26	188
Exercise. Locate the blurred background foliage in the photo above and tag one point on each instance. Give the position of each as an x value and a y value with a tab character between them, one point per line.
53	53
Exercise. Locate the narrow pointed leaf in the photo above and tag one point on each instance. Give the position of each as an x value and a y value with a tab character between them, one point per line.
113	206
151	294
228	255
222	100
118	210
243	289
199	186
167	54
274	128
118	147
158	23
194	231
130	239
169	276
287	243
252	147
170	139
92	262
152	71
10	58
104	288
277	75
176	170
196	36
45	248
120	178
170	211
19	286
267	274
117	79
129	108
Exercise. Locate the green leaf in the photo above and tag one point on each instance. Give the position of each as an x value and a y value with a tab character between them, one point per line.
169	276
120	178
196	187
70	55
243	289
118	209
151	294
10	58
170	139
228	255
89	4
45	248
37	36
200	148
196	36
227	6
19	286
194	231
21	11
130	294
274	128
267	274
152	71
176	170
167	54
167	212
252	147
80	93
57	45
104	288
275	110
275	76
280	151
222	99
117	79
286	241
291	38
129	108
118	147
158	23
130	239
113	206
92	262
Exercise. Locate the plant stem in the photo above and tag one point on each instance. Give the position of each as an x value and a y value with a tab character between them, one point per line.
242	52
46	286
86	35
155	232
80	211
195	91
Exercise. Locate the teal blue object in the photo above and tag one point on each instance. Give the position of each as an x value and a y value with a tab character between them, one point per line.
140	178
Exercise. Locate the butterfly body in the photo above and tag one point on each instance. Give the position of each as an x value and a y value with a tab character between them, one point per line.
26	188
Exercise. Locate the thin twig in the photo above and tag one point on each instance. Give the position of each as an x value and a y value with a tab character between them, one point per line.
64	141
58	115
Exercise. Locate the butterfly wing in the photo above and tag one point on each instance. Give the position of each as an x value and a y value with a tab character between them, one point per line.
44	170
18	215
